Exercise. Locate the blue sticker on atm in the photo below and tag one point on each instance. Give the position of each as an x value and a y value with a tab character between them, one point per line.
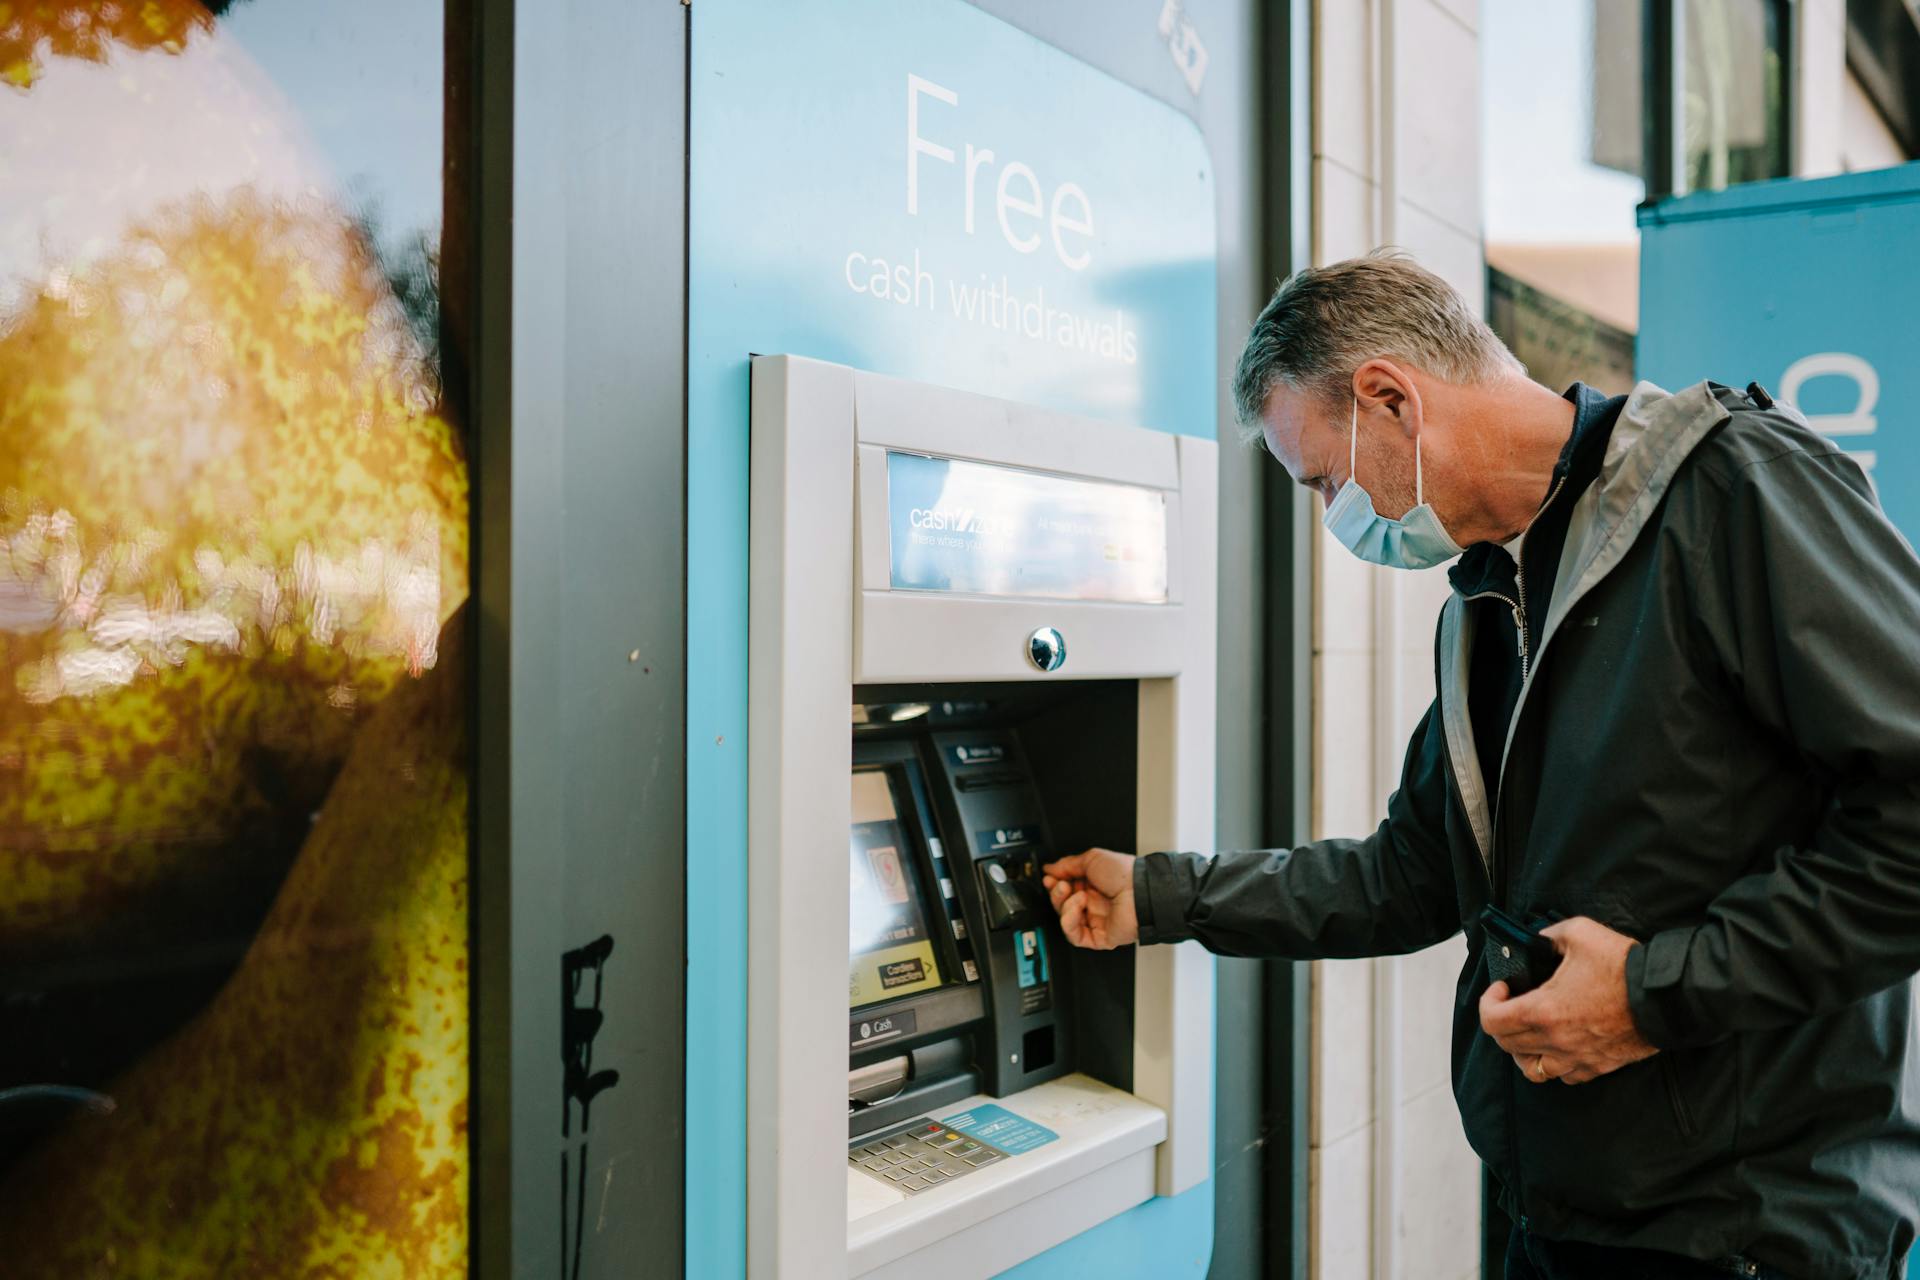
1030	957
999	1127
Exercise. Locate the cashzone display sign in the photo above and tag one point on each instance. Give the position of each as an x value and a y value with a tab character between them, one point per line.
991	530
917	189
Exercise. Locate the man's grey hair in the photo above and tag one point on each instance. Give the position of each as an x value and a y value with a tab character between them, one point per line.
1323	323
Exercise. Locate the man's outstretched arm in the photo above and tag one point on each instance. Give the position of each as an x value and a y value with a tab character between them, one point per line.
1389	893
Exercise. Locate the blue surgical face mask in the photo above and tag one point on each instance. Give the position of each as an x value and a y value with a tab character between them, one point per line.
1416	540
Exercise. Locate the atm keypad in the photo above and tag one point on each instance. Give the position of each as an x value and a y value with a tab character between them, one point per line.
921	1156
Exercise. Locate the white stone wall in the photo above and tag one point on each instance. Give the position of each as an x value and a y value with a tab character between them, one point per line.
1836	127
1865	140
1401	166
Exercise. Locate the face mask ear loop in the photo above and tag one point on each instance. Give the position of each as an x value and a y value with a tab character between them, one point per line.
1353	439
1419	485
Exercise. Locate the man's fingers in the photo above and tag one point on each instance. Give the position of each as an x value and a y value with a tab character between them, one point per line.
1518	1025
1565	933
1540	1068
1073	865
1503	1016
1099	916
1059	890
1527	1042
1084	920
1073	918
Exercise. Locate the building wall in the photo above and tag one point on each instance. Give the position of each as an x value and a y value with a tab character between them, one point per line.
1866	141
1837	129
1394	1186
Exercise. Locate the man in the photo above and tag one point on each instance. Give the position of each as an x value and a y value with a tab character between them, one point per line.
1679	710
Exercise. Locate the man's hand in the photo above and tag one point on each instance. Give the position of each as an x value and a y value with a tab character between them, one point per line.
1575	1026
1093	892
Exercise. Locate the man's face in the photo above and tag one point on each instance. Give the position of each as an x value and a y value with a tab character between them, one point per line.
1308	436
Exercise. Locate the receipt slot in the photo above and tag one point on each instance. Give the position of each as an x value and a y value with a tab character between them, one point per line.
981	635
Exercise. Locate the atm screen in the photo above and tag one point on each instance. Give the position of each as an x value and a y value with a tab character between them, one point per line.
890	949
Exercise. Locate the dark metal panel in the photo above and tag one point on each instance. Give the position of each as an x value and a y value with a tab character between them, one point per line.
1286	47
1662	33
476	313
620	683
580	522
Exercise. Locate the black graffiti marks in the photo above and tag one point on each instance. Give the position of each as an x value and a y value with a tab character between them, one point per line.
581	1084
579	1024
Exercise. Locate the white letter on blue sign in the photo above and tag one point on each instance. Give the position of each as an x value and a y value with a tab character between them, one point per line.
918	146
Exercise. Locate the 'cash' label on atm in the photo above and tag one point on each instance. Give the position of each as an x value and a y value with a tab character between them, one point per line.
994	839
866	1031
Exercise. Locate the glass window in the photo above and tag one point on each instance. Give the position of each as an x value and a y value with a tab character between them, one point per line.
1565	166
233	716
1732	99
1562	183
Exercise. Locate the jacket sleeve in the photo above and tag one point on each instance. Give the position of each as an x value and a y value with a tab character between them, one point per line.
1392	892
1809	600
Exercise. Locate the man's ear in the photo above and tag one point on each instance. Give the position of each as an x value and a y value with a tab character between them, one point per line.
1381	383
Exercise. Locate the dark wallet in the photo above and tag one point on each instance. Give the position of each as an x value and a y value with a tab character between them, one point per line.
1515	951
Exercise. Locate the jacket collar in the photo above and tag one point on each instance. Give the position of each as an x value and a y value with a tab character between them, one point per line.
1656	432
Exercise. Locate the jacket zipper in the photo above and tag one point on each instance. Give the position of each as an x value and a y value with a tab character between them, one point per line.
1520	609
1520	616
1682	1113
1499	878
1519	620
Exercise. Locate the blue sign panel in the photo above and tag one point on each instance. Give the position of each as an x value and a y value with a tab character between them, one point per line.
1807	288
915	188
973	527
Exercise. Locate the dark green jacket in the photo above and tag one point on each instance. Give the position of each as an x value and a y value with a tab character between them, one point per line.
1721	739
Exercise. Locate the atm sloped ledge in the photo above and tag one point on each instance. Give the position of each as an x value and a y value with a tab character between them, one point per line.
1099	1128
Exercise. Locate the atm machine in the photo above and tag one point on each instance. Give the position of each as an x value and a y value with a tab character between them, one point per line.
981	636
